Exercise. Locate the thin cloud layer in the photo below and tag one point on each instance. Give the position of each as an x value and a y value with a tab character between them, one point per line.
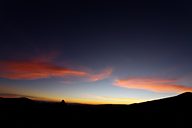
33	69
100	76
151	84
38	68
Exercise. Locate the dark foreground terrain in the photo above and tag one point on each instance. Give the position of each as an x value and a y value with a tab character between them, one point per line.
179	107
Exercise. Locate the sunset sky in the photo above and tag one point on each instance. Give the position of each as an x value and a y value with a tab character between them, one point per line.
95	52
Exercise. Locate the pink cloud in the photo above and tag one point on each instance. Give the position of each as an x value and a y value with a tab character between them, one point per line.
44	67
35	69
153	84
100	76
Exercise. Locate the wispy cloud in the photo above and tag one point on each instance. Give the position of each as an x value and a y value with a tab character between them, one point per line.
35	69
101	75
45	67
153	84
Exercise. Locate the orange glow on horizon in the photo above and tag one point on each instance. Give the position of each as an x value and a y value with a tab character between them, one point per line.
103	100
79	100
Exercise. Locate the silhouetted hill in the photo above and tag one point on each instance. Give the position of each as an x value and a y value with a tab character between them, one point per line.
177	105
186	94
17	100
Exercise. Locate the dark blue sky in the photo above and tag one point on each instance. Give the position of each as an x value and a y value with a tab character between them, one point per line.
115	42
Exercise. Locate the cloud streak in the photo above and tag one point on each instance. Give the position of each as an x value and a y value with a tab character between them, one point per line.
100	76
38	68
35	69
152	84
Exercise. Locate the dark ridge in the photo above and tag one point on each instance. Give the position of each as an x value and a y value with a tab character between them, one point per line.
24	98
177	105
186	94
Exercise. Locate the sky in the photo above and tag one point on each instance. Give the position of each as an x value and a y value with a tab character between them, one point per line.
95	52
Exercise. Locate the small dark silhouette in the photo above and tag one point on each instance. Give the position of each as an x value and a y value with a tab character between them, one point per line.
63	103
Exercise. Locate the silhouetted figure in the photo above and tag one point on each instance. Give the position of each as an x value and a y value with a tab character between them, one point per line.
63	103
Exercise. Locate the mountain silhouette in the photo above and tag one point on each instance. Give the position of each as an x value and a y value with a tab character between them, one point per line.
186	94
25	107
21	100
177	104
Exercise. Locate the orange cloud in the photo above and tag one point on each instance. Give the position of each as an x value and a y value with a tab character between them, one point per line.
100	76
35	69
151	84
44	67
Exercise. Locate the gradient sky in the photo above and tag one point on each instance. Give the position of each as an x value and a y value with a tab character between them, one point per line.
95	52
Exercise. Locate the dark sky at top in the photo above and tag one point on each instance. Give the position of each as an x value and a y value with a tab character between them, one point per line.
96	31
137	38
